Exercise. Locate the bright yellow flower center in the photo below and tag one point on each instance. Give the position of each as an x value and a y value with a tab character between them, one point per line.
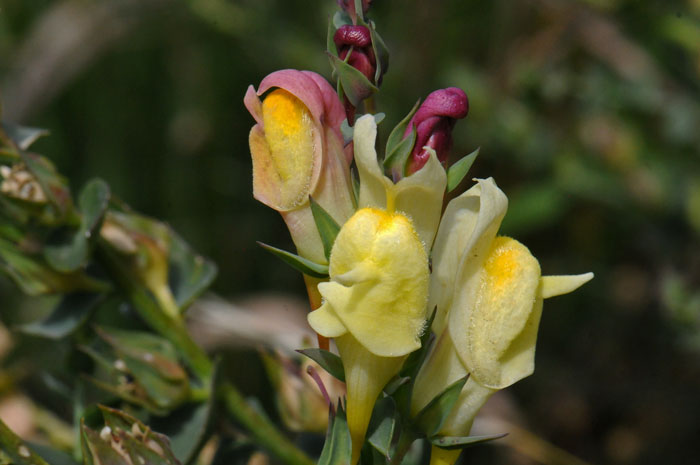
290	133
503	264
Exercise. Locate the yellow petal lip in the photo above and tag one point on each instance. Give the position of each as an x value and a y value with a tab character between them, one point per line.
493	335
284	152
558	285
325	322
379	284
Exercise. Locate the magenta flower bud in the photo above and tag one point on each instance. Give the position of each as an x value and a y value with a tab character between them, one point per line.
434	122
358	39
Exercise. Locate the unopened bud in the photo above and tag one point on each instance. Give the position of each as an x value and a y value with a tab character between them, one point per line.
434	122
359	40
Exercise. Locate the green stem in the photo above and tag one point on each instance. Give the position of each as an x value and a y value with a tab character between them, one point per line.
263	431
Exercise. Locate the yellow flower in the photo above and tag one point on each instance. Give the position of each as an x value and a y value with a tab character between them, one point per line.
374	305
489	292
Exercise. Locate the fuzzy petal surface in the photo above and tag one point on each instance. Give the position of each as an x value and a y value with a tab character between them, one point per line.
494	327
379	283
466	231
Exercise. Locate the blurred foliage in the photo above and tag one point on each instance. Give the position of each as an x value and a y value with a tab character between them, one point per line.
586	111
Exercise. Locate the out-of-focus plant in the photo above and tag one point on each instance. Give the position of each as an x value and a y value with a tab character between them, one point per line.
106	263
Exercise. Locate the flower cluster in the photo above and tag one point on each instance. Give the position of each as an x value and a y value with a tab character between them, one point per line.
381	257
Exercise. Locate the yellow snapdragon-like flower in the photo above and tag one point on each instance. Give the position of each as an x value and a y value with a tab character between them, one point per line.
489	292
374	306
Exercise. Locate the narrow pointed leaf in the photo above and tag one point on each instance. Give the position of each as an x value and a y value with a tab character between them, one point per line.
396	136
93	202
330	43
189	274
328	361
355	85
457	172
67	251
380	51
327	227
461	442
382	425
433	415
337	449
347	131
302	264
23	136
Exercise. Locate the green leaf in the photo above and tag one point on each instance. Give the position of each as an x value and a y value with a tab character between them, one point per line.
461	442
327	227
337	449
328	361
35	277
16	450
132	437
69	315
395	383
355	85
341	18
380	52
93	202
153	364
382	425
433	416
53	456
23	136
347	131
54	185
359	10
189	273
330	43
66	250
459	170
299	263
396	136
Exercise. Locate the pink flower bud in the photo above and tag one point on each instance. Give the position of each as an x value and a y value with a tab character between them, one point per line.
434	122
358	39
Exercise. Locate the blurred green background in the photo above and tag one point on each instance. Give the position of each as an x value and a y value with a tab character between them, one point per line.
587	114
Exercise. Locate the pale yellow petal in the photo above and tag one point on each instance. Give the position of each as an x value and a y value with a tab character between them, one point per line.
380	256
373	183
558	285
468	226
441	368
420	197
366	374
487	319
324	320
471	399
